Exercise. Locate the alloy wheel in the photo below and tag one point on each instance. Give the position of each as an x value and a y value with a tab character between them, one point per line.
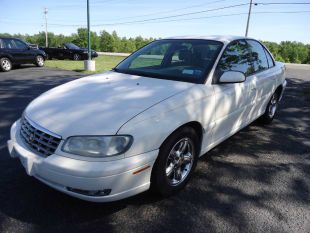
273	106
6	64
40	60
180	161
76	57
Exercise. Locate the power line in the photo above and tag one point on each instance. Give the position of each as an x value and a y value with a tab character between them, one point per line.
159	18
174	10
235	14
282	3
164	12
207	17
177	15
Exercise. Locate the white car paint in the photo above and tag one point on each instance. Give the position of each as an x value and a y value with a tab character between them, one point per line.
149	109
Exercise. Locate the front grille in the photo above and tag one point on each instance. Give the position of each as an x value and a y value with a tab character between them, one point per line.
40	142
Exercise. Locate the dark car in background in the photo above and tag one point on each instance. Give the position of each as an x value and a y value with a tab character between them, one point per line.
14	51
33	46
69	51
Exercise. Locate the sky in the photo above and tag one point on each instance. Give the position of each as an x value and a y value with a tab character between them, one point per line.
160	18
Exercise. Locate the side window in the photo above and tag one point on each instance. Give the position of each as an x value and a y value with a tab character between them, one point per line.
8	43
236	57
258	56
269	59
19	44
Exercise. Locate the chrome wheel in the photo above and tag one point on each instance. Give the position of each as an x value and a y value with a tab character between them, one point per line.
180	161
273	106
6	64
40	61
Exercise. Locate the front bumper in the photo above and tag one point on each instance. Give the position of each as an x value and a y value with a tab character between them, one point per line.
67	175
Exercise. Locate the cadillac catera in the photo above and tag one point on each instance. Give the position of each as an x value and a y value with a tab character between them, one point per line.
146	122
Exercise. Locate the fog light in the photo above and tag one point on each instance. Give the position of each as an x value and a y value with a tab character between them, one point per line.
96	193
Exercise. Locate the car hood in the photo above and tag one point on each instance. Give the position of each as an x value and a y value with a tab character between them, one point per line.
99	104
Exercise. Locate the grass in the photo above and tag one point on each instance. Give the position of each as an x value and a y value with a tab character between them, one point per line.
103	63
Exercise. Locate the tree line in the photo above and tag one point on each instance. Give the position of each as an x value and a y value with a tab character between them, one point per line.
285	51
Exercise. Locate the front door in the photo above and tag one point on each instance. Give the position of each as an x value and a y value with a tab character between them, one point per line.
26	54
232	100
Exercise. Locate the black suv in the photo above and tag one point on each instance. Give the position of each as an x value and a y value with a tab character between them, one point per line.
16	52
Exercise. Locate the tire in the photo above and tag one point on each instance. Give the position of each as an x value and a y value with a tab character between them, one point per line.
271	109
39	61
5	64
76	57
173	168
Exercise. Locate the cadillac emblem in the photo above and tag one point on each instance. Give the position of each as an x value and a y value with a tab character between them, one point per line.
31	137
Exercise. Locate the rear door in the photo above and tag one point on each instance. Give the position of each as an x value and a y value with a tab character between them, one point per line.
263	76
10	48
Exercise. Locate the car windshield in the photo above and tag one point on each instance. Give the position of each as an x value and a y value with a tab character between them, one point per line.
71	46
173	59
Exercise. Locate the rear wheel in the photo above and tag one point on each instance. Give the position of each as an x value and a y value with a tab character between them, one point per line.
176	162
39	61
76	57
271	109
5	64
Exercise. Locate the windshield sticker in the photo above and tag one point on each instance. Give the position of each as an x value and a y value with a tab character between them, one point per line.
191	72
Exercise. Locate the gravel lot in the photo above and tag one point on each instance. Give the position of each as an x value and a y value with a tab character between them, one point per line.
256	181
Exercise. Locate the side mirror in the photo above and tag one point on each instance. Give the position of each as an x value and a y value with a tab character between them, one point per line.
232	77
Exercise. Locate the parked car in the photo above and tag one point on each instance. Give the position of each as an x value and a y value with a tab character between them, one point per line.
14	51
69	51
145	123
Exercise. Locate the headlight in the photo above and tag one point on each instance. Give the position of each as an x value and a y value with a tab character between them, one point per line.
97	146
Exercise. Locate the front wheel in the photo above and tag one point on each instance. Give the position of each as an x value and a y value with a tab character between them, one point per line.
39	61
271	109
176	162
5	64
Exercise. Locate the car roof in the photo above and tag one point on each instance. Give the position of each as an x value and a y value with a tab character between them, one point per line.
10	38
223	38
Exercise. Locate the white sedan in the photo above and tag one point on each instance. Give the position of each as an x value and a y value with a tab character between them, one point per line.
145	123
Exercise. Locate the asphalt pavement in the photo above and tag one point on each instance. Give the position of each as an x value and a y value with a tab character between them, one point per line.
256	181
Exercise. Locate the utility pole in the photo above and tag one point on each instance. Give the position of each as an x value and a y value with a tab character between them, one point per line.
46	39
248	22
89	64
88	29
